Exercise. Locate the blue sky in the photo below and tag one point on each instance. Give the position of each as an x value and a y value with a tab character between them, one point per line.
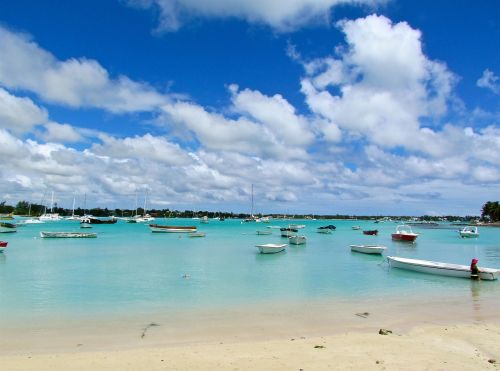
351	107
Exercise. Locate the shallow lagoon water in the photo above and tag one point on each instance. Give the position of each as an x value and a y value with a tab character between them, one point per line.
128	269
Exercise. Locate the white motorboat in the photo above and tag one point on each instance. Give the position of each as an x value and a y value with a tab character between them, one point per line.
67	235
204	220
271	248
443	269
324	230
469	232
368	249
356	227
172	228
297	240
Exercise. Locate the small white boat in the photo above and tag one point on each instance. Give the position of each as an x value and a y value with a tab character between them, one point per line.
297	240
356	227
265	232
368	249
296	226
271	248
196	234
469	232
67	235
443	269
204	220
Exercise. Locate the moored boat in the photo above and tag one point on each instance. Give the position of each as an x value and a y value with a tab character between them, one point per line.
356	227
287	232
7	228
271	248
265	232
469	232
89	220
3	243
172	228
67	235
404	233
371	232
324	231
297	240
196	234
368	249
442	269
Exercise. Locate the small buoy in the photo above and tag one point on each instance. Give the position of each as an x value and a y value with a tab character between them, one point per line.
185	275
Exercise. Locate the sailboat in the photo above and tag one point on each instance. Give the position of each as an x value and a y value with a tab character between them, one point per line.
252	217
31	220
73	217
50	216
145	218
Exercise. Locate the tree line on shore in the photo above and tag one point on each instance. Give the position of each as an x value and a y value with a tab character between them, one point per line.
490	211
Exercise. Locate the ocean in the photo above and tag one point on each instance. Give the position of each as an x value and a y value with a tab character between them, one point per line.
128	269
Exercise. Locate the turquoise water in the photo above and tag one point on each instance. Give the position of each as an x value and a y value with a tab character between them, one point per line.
129	269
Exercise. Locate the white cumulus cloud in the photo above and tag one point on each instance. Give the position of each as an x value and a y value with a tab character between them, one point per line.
282	15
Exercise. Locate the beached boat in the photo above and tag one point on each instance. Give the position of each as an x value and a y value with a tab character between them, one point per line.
172	228
67	235
404	233
297	240
469	232
287	232
265	232
371	232
368	249
197	234
271	248
442	269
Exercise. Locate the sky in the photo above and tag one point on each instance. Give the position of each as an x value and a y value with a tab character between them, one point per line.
359	107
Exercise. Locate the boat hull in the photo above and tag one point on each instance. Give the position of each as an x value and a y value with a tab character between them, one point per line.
469	235
155	228
3	243
297	240
67	235
325	231
441	269
404	237
371	232
271	248
368	249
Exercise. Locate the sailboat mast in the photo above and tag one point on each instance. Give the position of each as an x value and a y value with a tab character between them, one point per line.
73	211
252	203
52	203
145	200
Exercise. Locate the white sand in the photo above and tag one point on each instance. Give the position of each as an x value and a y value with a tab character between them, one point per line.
451	334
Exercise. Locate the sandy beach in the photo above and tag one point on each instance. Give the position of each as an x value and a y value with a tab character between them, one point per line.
432	334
